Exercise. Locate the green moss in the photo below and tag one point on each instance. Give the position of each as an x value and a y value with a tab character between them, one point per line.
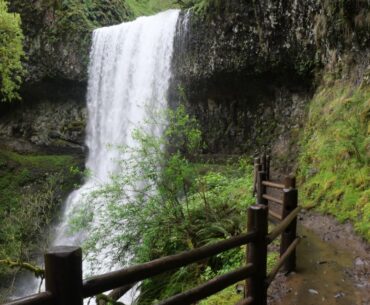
19	170
334	159
45	162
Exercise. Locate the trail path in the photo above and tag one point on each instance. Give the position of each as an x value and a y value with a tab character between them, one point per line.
333	266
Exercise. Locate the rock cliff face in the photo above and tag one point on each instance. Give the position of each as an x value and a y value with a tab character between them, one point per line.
247	68
50	119
58	34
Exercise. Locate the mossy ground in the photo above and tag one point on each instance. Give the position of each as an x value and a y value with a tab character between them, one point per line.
335	153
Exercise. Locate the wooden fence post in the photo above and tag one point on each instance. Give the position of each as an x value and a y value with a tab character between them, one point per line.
268	164
290	182
257	254
63	275
290	202
263	162
261	189
257	168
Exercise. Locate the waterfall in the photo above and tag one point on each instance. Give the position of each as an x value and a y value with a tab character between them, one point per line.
130	68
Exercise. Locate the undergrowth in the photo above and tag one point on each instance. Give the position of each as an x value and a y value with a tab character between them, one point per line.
228	192
31	187
335	152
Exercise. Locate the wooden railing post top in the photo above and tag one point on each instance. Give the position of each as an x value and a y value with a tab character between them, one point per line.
290	182
63	275
257	160
258	207
290	191
64	251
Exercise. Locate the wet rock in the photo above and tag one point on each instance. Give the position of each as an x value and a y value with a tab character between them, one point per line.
339	295
313	291
359	261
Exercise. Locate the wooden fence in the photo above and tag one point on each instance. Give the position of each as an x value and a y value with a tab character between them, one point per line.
63	265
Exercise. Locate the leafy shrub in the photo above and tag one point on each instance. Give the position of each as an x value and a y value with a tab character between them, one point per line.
11	54
161	203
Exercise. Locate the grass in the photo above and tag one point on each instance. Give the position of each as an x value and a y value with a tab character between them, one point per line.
335	153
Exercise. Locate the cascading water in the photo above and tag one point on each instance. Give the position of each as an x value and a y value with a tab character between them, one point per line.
130	68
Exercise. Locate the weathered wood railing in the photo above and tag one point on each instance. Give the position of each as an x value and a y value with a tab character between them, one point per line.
63	265
287	204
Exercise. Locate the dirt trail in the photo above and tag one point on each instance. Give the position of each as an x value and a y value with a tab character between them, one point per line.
333	267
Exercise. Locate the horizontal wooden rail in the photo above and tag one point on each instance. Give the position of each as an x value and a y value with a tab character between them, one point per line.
275	215
273	199
246	301
283	225
116	279
43	298
213	286
273	185
282	260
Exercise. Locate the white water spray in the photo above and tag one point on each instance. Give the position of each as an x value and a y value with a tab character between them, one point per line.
129	70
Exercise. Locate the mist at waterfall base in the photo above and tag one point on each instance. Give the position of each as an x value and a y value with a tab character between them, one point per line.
129	73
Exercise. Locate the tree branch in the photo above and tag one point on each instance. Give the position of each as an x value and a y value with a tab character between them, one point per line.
37	271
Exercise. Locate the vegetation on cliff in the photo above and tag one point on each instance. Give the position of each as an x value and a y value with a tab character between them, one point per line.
32	188
11	54
335	154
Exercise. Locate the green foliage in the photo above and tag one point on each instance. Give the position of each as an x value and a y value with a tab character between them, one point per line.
228	296
200	6
334	160
149	7
11	54
232	260
171	204
31	187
